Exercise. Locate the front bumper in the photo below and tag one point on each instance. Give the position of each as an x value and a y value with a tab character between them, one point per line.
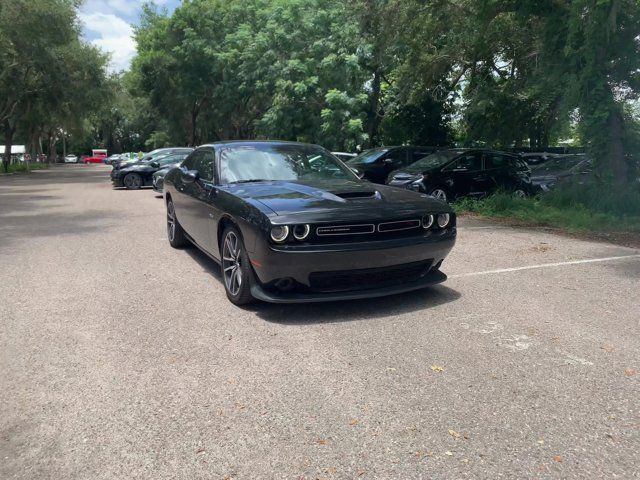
432	278
117	182
158	183
310	269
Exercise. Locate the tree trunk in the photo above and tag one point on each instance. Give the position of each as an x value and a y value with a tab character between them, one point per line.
617	160
193	125
374	104
8	144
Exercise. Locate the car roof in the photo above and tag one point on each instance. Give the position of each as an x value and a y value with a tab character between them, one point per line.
248	143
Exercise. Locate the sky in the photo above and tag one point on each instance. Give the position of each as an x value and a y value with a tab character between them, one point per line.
108	24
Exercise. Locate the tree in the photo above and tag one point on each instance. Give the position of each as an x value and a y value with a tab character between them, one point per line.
48	80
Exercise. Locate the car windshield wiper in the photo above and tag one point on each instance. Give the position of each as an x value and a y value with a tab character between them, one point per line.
251	180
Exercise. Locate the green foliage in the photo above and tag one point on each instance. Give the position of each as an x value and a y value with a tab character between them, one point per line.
577	208
24	168
49	79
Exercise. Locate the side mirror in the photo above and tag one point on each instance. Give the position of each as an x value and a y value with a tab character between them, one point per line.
359	173
190	176
155	164
389	161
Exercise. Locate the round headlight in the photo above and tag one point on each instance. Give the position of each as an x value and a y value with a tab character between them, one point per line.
280	233
300	232
443	220
427	221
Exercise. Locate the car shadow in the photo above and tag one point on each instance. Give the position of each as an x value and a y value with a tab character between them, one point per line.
334	312
355	310
208	264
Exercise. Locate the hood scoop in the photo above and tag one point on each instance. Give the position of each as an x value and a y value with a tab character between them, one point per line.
358	194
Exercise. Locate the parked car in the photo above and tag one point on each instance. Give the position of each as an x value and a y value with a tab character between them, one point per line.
157	179
291	224
135	175
113	159
148	157
449	174
97	156
344	156
71	159
376	164
575	168
537	158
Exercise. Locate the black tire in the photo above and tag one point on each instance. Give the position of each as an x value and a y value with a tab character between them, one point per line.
237	274
439	193
132	181
175	233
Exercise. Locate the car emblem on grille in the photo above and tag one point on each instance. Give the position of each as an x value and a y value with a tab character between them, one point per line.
346	229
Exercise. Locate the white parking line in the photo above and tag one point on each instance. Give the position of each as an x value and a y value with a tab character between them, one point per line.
545	265
487	227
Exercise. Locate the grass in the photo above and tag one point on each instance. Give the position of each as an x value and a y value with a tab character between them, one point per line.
583	208
22	168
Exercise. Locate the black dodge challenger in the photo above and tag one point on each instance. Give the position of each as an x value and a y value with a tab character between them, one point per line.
290	223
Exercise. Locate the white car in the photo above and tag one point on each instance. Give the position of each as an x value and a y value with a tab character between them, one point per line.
71	159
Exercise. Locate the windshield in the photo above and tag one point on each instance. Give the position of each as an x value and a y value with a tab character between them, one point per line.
558	164
169	159
292	162
436	159
369	156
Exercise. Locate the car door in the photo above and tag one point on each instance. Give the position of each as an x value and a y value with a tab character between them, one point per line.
465	172
182	201
200	211
496	172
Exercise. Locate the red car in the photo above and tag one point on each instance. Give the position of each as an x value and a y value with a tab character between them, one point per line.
97	156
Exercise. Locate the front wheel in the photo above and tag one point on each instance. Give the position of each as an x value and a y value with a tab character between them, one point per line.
175	233
519	193
438	193
132	181
236	269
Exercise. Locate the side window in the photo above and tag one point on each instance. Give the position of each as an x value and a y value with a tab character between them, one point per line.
494	160
471	162
398	156
192	160
204	164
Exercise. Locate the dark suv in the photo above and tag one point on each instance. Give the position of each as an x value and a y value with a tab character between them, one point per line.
376	164
449	174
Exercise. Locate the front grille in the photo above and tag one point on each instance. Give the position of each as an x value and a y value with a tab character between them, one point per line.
368	278
346	229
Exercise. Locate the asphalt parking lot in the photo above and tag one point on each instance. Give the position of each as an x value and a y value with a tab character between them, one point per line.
122	358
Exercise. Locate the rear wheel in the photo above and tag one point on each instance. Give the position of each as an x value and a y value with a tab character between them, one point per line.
132	181
519	193
236	269
439	193
175	233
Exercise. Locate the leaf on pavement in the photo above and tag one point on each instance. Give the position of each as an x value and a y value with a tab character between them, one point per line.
630	372
437	368
454	434
557	458
353	422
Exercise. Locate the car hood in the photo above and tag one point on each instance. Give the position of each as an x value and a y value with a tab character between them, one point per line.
333	200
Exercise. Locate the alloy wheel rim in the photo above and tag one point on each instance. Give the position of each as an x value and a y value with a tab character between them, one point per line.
519	193
439	194
171	222
232	263
132	181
